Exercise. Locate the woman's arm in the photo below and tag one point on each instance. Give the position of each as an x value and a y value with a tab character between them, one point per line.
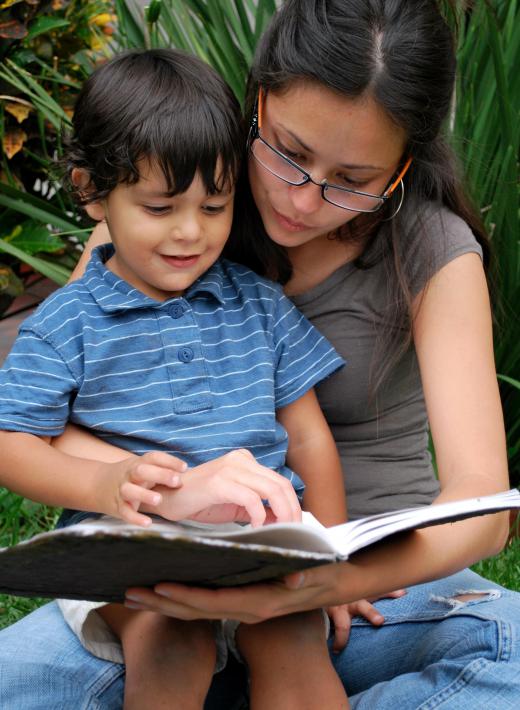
100	235
312	454
454	344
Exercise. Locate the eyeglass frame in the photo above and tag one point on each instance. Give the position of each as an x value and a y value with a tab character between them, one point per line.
254	134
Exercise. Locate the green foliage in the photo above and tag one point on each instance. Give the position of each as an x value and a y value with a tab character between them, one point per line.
504	569
20	520
46	50
223	33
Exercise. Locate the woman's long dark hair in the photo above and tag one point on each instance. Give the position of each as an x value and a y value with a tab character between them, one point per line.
400	52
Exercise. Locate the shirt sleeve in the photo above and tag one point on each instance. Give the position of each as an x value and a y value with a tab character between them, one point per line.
303	356
440	237
36	387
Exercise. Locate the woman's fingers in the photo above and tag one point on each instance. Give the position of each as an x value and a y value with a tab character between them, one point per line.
342	620
365	609
190	603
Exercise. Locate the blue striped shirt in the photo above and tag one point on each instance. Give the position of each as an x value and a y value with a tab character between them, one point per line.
196	376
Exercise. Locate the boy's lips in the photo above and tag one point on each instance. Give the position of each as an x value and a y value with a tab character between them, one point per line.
181	262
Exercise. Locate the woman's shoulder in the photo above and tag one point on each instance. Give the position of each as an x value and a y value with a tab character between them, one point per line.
436	237
443	227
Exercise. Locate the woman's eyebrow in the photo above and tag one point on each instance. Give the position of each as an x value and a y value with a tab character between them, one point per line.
348	166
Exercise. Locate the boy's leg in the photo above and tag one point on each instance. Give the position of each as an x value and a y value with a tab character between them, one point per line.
289	664
169	663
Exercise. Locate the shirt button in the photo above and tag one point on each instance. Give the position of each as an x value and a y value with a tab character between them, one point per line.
176	310
185	354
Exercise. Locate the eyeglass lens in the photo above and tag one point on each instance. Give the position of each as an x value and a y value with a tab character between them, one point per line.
276	164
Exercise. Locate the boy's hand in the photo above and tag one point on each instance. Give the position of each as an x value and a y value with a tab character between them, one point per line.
128	484
224	489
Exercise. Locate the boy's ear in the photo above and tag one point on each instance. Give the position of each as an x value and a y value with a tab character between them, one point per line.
80	178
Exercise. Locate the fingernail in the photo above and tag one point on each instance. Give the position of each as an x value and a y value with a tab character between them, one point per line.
130	596
133	605
156	499
174	481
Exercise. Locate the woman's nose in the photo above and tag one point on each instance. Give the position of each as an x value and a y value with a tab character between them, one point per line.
306	198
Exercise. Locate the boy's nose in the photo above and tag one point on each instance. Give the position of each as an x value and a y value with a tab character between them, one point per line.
187	230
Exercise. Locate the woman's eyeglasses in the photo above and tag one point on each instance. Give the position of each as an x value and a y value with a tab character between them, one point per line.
290	172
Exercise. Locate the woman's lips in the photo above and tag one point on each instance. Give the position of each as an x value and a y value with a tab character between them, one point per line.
181	262
289	224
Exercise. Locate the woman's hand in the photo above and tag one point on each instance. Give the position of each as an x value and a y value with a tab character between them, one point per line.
251	604
231	487
125	485
342	615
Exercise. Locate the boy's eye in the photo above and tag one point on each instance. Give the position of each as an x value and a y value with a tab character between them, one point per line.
214	209
157	209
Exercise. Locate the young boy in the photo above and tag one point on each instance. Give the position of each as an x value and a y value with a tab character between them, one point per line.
199	369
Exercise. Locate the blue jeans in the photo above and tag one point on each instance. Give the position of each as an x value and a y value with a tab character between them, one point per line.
431	653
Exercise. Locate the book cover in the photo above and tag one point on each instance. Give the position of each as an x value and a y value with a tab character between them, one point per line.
99	560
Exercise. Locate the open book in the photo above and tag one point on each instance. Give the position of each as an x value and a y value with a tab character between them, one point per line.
99	560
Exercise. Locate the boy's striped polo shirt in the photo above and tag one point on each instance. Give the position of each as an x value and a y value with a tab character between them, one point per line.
196	376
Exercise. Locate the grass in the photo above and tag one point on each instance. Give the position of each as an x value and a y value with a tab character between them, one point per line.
22	519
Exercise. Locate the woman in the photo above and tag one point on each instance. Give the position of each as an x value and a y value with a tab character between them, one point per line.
360	213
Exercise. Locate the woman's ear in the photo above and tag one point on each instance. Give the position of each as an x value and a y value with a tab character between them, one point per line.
81	180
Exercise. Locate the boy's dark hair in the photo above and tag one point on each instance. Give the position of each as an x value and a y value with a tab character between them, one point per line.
160	104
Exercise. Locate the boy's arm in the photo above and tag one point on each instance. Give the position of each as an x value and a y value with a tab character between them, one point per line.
312	454
231	487
31	467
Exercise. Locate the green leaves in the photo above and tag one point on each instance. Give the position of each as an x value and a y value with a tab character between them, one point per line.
45	23
223	33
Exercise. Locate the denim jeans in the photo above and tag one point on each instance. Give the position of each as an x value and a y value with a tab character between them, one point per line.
432	652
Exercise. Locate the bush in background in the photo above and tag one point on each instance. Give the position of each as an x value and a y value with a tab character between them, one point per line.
47	49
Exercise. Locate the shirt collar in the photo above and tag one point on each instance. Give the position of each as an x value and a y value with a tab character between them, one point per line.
113	294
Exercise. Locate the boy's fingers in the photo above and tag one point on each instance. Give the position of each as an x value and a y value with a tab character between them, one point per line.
160	458
132	493
278	491
157	475
245	497
129	515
